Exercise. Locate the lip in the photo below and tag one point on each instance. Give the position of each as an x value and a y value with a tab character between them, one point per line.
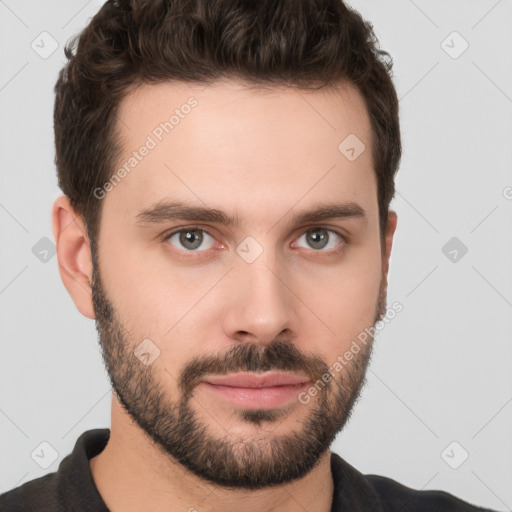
255	380
256	391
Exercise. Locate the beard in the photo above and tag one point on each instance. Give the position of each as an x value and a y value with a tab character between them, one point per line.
230	461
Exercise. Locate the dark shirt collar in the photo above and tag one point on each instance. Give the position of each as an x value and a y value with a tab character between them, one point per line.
74	482
352	492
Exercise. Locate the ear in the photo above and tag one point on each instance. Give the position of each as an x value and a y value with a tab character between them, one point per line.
388	242
73	254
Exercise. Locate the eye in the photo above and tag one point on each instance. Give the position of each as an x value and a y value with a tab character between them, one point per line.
321	238
190	239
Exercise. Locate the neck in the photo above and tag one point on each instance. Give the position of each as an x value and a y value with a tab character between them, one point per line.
131	474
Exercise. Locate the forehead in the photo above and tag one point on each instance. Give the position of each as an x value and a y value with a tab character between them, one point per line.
230	146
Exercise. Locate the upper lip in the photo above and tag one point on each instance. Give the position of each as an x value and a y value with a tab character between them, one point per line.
254	380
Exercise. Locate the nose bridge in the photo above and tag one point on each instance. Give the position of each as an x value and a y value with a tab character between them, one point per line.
262	304
264	279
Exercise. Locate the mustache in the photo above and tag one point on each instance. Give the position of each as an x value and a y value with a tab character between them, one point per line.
278	355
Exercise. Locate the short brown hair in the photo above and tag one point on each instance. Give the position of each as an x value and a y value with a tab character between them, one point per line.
306	44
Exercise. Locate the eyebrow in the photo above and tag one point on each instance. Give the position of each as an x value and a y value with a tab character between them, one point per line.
167	210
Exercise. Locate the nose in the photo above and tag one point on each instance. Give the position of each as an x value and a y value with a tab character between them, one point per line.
261	305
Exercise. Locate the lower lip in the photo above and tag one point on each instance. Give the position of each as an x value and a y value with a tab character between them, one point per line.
256	398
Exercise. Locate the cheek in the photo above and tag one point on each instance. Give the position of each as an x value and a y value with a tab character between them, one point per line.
347	298
164	305
176	307
149	294
157	304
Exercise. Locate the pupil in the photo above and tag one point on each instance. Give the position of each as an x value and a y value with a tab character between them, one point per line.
319	238
188	238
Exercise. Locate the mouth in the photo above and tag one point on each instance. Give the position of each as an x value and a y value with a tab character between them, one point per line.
256	391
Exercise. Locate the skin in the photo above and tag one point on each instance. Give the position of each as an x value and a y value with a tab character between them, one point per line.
264	155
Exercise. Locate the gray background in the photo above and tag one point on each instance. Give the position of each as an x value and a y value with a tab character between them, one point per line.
441	371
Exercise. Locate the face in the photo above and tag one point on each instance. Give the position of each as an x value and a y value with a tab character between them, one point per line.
217	258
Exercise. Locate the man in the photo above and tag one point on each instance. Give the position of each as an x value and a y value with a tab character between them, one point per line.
227	169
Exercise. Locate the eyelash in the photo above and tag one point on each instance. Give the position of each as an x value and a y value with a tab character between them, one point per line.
330	252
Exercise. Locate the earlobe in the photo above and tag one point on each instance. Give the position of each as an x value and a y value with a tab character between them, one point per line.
73	254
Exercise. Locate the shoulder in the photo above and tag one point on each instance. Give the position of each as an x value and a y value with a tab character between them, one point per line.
396	497
38	494
359	492
69	489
